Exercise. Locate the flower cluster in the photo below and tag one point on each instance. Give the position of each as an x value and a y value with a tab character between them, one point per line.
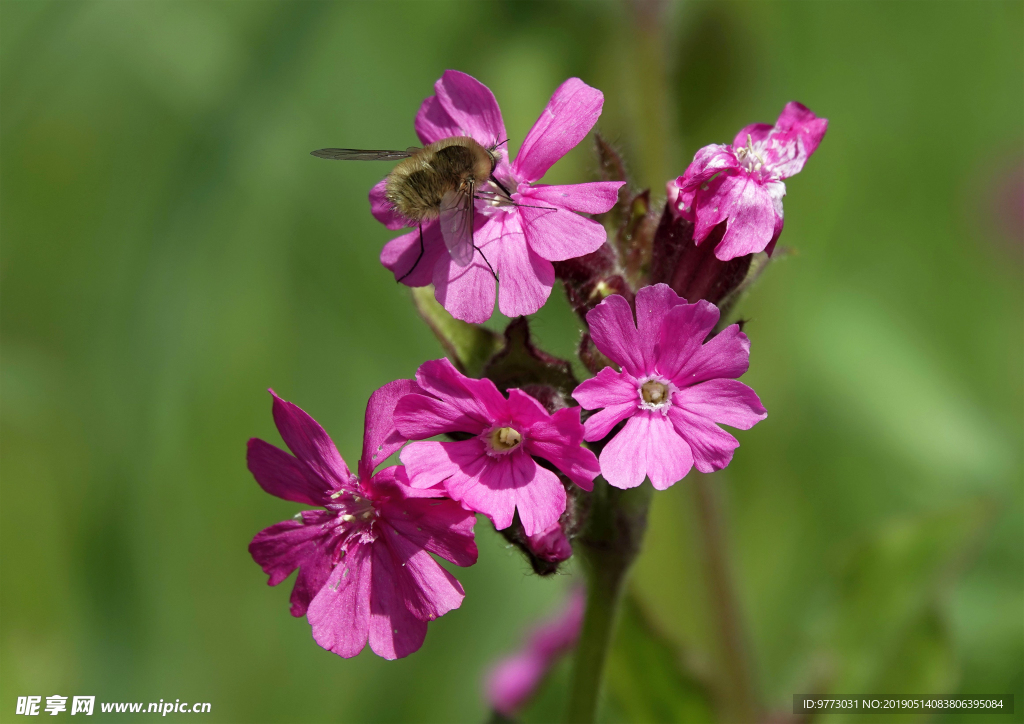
510	442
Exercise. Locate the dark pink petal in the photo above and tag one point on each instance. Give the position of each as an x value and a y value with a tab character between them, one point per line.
399	255
382	209
727	354
565	121
442	527
283	547
747	206
310	444
595	197
647	446
682	333
433	122
600	424
614	332
707	162
498	486
394	630
557	234
471	105
430	463
653	304
607	388
796	136
526	277
392	483
467	292
727	402
557	440
422	416
340	613
479	399
712	447
757	132
428	590
380	436
551	545
524	410
280	474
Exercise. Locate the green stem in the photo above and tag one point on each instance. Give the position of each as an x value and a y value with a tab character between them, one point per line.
607	548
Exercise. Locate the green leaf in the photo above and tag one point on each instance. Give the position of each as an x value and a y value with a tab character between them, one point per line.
469	346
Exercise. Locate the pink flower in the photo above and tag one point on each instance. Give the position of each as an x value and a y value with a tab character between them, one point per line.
514	679
365	570
519	240
493	472
551	545
742	183
672	389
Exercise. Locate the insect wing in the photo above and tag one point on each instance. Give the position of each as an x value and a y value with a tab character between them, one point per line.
357	154
457	224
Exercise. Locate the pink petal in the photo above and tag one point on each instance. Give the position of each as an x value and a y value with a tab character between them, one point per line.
557	440
614	333
280	474
442	527
653	304
526	278
479	399
727	354
712	447
600	424
382	210
428	590
556	234
551	545
728	402
498	486
607	388
513	680
590	198
310	443
524	410
340	613
568	117
392	483
433	122
647	446
467	292
430	463
757	132
748	208
400	254
395	631
380	436
283	547
472	107
422	416
707	162
796	136
682	334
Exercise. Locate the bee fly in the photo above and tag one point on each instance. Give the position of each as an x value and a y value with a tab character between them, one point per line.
438	181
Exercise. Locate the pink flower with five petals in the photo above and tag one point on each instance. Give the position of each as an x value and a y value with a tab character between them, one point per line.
520	234
672	390
742	183
493	471
365	570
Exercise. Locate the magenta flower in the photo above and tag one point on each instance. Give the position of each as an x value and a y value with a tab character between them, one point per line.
672	389
493	472
514	679
365	570
519	239
742	183
551	545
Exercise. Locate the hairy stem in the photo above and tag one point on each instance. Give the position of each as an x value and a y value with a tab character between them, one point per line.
740	701
607	548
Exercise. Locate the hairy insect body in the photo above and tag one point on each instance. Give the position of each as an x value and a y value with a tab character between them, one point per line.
417	185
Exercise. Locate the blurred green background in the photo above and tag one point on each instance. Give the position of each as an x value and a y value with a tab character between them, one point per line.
170	250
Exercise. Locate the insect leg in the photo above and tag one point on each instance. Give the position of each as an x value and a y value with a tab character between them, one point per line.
472	234
416	264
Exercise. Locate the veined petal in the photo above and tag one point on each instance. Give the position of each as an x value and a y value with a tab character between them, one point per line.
600	424
728	402
429	463
310	443
472	107
467	292
422	416
707	162
291	544
681	336
748	208
434	591
595	197
647	446
653	304
340	613
403	252
478	398
556	234
727	354
796	136
394	631
382	209
524	410
712	447
756	131
442	527
557	440
614	332
380	436
282	475
566	120
607	388
526	277
433	122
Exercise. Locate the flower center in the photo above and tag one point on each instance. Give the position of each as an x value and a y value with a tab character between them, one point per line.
748	157
656	394
503	439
